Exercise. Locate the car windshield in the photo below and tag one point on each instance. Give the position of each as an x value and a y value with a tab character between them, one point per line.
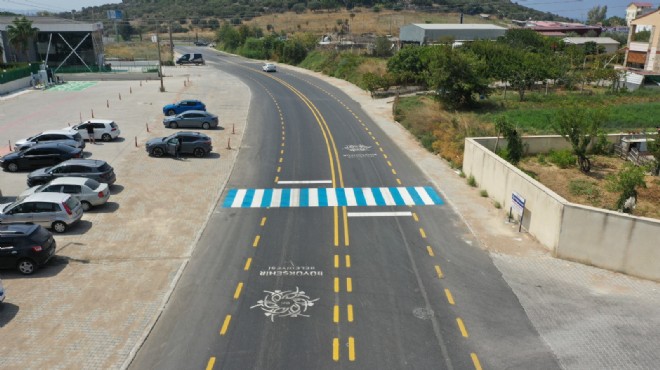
40	188
92	184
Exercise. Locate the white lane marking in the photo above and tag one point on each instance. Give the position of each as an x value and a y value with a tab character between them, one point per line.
369	197
424	195
387	196
288	182
378	214
240	194
277	198
314	197
350	197
406	196
258	196
295	198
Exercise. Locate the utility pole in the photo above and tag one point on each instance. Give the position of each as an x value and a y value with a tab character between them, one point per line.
160	65
169	26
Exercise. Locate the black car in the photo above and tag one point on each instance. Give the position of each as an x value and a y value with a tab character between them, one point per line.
94	169
39	155
25	247
193	58
194	143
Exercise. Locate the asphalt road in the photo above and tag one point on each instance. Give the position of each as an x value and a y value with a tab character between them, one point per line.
334	287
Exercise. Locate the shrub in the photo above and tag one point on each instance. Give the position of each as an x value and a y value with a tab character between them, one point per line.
585	188
562	158
484	193
497	204
472	181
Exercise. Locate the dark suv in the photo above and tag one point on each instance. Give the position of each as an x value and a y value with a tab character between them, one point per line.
194	143
94	169
25	247
194	58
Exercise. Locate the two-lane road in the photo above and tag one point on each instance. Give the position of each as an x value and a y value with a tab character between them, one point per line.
330	249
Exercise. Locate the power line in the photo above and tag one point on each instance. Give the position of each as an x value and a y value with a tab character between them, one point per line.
33	4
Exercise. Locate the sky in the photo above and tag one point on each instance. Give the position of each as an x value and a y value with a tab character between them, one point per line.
576	9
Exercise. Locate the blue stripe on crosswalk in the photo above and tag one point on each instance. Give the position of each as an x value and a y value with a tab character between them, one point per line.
331	197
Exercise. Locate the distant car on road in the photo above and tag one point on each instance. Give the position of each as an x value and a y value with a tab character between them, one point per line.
183	106
24	247
39	155
269	67
194	58
104	129
194	143
89	192
192	119
201	43
51	210
95	169
68	137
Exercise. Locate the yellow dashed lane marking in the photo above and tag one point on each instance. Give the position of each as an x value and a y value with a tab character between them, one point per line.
247	264
398	181
349	285
348	261
438	271
350	312
351	349
335	314
430	250
336	261
422	233
335	349
461	327
336	285
237	293
393	171
450	298
415	217
256	241
475	361
210	364
263	221
225	325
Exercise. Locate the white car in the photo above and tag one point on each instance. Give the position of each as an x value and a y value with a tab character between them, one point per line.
104	129
88	191
269	67
65	136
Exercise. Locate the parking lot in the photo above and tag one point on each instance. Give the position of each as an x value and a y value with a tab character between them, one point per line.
93	302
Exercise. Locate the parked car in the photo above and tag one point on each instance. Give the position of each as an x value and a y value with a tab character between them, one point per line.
192	118
192	58
183	106
201	43
51	210
39	155
194	143
88	191
269	67
2	289
25	247
68	137
104	129
94	169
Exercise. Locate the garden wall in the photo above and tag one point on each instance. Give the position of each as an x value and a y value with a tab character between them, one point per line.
15	85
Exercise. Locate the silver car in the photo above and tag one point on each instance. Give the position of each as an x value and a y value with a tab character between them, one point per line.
192	118
55	211
88	191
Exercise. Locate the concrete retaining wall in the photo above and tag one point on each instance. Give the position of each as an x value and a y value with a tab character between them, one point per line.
15	85
593	236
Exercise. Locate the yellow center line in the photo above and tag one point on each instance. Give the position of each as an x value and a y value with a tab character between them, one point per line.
348	261
438	271
211	363
277	179
346	238
350	313
237	293
335	314
349	285
377	143
415	217
335	349
393	171
389	163
475	361
461	326
281	159
247	264
282	152
385	156
282	144
263	221
430	250
351	349
336	261
421	231
398	181
381	149
450	298
256	241
336	214
225	325
336	285
279	169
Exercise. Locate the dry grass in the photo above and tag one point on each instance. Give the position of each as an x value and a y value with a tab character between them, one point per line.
137	50
560	180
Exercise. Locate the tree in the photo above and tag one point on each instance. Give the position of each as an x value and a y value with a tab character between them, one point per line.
523	69
408	66
579	126
514	148
382	47
626	183
229	37
654	150
597	14
614	22
20	33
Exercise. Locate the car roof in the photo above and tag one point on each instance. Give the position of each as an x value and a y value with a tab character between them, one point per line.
47	197
66	132
83	162
69	180
98	121
190	133
195	111
51	144
14	229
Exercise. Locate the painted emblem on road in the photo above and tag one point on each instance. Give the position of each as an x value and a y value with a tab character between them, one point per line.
285	303
291	271
358	151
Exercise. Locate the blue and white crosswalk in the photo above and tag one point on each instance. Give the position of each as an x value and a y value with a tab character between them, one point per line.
331	197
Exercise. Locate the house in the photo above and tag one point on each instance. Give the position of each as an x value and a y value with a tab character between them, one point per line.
637	9
424	34
610	45
643	54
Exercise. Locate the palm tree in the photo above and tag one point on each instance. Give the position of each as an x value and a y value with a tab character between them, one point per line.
20	34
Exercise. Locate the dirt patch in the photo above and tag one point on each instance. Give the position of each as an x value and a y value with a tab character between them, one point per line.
590	189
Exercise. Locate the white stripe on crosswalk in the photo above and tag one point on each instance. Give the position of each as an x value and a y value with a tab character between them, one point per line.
240	194
295	198
332	197
277	198
368	197
406	196
314	197
378	214
258	196
387	196
422	193
350	197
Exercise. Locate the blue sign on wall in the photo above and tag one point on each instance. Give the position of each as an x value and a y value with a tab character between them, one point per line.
115	14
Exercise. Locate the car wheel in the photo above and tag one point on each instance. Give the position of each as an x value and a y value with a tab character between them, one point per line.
171	112
59	226
86	206
26	266
199	152
106	137
12	167
157	152
206	125
173	125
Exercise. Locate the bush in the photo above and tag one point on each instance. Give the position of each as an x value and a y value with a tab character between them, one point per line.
497	204
472	181
484	193
562	158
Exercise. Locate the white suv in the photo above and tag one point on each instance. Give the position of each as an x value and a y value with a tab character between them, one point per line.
55	211
104	129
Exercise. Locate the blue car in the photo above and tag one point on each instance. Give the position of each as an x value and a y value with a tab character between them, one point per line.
183	106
